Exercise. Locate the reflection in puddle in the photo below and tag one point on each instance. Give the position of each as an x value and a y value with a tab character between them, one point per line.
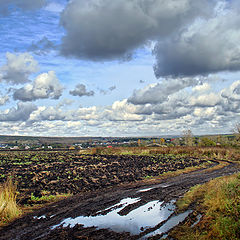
171	223
162	185
41	217
145	190
146	216
123	203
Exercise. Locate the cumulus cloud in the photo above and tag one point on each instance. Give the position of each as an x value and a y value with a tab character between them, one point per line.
206	100
202	88
57	113
157	101
232	93
18	68
160	92
80	90
106	29
123	111
206	46
21	113
46	85
213	110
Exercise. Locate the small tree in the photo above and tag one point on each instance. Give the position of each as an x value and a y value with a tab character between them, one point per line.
188	137
207	142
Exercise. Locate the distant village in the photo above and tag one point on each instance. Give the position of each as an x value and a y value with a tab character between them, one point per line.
105	142
38	143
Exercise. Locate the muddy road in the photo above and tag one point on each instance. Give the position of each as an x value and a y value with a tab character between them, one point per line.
139	210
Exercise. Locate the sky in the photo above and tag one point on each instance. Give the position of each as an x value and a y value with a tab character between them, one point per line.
119	68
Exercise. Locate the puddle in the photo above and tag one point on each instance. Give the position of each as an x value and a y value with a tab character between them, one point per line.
136	221
145	190
162	185
123	203
41	217
199	216
171	223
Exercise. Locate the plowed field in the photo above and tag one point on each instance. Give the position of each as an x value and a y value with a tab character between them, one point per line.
71	172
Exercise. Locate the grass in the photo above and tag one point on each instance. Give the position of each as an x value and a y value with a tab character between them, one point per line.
46	198
9	210
219	203
220	153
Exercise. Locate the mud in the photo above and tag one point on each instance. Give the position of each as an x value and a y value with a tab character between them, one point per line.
57	220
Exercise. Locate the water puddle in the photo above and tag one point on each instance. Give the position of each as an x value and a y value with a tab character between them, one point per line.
41	217
145	190
171	223
123	203
136	221
162	185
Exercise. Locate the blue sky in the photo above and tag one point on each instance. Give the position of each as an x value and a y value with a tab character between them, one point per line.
119	68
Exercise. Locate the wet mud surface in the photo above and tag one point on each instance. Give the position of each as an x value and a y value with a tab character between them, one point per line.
136	210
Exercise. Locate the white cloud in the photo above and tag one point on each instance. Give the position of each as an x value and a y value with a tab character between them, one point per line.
18	68
160	92
21	113
45	85
232	93
206	100
123	111
202	88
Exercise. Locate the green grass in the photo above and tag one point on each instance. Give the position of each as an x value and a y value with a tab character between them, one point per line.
45	198
219	203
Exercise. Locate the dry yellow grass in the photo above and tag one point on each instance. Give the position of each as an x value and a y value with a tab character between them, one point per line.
220	153
9	209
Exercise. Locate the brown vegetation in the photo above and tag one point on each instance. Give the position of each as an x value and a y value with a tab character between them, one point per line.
9	209
220	153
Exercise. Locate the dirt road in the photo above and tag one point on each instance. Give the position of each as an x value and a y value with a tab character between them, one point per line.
131	211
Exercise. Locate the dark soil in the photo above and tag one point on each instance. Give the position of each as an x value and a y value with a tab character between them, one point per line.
69	172
89	203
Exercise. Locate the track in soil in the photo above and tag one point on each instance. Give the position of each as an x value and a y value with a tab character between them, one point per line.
123	200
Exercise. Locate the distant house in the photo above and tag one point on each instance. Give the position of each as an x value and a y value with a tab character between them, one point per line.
50	147
15	147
